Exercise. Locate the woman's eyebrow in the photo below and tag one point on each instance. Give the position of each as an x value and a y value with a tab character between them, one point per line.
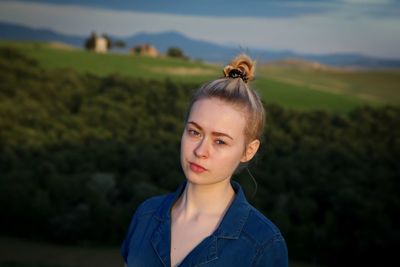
213	133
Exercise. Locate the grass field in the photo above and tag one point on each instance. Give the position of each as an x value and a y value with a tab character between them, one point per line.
304	97
374	86
297	85
51	56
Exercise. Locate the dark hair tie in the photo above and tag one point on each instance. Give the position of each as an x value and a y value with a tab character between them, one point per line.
235	73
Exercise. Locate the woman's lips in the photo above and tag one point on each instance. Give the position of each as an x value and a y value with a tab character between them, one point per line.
196	168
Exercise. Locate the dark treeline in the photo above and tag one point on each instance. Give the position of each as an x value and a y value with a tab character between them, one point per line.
78	153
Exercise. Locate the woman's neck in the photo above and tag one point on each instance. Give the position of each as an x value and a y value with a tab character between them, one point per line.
204	200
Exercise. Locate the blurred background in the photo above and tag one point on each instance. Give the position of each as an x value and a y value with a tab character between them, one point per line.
92	101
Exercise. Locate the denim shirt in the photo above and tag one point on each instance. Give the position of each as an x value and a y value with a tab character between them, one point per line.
244	237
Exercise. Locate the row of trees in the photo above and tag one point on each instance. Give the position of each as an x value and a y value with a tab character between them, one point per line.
78	153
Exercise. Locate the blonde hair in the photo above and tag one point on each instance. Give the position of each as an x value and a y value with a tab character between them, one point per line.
234	89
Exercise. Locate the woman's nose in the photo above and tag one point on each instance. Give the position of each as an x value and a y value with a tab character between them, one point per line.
202	150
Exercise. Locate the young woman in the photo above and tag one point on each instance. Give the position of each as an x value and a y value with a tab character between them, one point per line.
208	221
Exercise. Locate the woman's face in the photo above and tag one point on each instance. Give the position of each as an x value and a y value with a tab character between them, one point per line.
213	142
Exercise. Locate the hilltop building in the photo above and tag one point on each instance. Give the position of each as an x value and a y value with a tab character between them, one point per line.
99	44
145	50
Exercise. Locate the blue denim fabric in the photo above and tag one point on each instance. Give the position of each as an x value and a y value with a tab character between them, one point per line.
244	237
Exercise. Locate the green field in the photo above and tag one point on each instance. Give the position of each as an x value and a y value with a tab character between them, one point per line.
51	56
371	86
300	86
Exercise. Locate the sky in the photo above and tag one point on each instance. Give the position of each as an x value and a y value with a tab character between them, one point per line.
369	27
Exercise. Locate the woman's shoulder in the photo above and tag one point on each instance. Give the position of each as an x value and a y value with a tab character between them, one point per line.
270	245
153	204
261	229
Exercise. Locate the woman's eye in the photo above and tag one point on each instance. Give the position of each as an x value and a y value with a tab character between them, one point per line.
193	132
220	142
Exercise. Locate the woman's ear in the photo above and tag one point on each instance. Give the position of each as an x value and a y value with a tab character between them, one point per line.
251	150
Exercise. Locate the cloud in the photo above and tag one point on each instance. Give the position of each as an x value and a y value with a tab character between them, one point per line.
210	8
338	31
369	2
238	8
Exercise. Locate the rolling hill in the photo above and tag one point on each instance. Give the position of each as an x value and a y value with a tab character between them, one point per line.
294	84
197	49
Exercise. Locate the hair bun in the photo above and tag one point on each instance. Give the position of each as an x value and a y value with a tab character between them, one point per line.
242	67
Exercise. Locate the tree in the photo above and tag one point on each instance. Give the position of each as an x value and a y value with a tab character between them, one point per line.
176	52
91	41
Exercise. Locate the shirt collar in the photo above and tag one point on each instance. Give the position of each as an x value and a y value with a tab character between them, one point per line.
233	220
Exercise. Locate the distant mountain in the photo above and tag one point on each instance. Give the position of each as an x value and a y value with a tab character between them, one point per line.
219	53
191	47
198	49
22	33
